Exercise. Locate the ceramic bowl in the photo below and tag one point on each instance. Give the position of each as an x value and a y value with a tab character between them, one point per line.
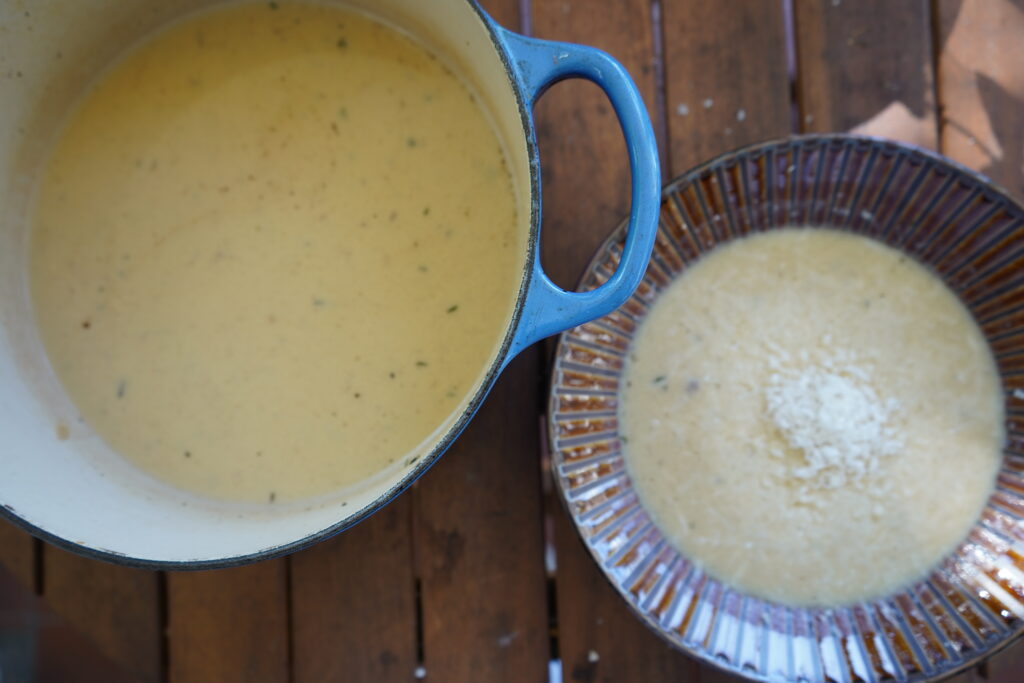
946	216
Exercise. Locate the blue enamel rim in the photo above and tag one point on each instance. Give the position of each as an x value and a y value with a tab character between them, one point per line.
542	308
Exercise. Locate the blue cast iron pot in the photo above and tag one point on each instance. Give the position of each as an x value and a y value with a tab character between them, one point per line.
77	494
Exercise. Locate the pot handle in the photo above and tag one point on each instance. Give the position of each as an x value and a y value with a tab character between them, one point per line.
537	65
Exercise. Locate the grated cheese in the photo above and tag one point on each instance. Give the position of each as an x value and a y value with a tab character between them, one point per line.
830	415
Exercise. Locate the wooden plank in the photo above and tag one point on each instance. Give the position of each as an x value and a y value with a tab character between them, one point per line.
709	674
17	554
981	87
981	91
229	625
584	167
586	193
477	527
866	61
1005	667
37	645
725	77
505	12
365	571
116	607
479	543
599	638
868	66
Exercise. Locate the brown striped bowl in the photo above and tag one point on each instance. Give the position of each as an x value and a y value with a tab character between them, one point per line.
956	221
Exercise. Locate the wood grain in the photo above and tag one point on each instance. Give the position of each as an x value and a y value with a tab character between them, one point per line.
600	639
505	12
585	172
365	571
981	87
478	543
38	646
476	549
981	94
586	194
229	625
116	607
478	532
869	66
709	674
17	554
369	570
863	61
725	77
1005	667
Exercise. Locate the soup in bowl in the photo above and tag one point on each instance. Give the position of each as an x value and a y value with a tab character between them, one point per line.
796	504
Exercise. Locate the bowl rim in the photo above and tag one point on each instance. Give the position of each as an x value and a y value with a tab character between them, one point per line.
988	187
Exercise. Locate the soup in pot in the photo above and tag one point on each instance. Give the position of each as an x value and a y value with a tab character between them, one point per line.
275	249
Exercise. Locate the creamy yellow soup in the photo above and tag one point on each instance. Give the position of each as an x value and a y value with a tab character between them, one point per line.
274	250
812	416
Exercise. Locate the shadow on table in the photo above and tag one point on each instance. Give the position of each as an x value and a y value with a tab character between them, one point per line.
37	646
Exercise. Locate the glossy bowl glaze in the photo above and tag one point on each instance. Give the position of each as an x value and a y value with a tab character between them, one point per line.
967	231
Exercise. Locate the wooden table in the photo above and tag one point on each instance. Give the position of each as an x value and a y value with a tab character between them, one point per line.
476	575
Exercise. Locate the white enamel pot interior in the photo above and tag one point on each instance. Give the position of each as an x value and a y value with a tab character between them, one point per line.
70	488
